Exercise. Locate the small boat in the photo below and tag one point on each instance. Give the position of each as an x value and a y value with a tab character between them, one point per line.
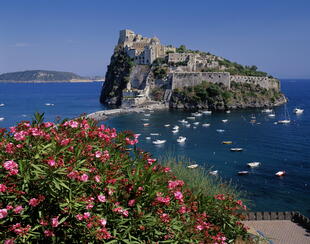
145	119
224	120
214	172
284	121
197	114
298	111
49	104
228	111
183	121
192	166
158	142
167	125
271	115
190	117
148	138
194	127
176	127
188	125
181	139
205	125
243	172
207	112
253	121
267	110
1	118
275	123
2	104
146	124
236	149
151	111
147	115
220	130
253	164
175	131
154	134
253	116
227	142
280	173
196	123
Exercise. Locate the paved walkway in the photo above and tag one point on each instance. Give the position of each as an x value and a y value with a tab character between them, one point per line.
281	231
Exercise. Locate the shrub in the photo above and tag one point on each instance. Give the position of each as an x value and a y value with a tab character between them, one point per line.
77	182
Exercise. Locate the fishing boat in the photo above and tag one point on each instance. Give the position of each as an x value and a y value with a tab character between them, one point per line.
181	139
267	110
214	172
1	118
220	130
205	125
236	149
280	173
192	166
158	142
253	164
243	172
190	117
224	120
298	111
227	142
167	125
207	112
146	124
196	123
286	119
154	134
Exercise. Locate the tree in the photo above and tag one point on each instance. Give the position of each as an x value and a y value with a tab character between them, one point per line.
181	49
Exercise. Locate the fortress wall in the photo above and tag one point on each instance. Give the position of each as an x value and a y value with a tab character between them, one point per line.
185	79
264	82
138	76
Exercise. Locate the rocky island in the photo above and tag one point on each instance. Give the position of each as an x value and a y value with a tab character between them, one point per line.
143	71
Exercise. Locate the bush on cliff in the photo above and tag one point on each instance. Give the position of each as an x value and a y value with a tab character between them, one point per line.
76	182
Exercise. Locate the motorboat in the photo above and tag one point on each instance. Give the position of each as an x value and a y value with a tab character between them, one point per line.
191	117
2	104
147	115
205	125
1	118
145	119
154	134
196	123
267	110
187	125
194	127
214	172
224	120
271	115
197	114
181	139
167	125
228	111
253	164
253	116
148	138
158	142
236	149
243	172
220	130
207	112
146	124
284	121
183	121
49	104
298	111
176	127
192	166
280	173
175	131
227	142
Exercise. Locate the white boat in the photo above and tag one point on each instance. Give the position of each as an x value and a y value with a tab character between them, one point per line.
190	117
175	131
188	125
146	124
147	115
220	130
286	119
148	138
145	119
271	115
267	110
236	149
253	116
224	120
176	127
254	164
298	111
183	121
280	173
49	104
207	112
2	104
196	123
214	172
181	139
1	118
197	114
167	125
154	134
192	166
158	142
205	125
243	172
228	111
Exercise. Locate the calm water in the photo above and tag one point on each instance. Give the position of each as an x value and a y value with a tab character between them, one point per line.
278	147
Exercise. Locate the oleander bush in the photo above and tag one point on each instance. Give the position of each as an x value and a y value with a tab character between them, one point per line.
76	182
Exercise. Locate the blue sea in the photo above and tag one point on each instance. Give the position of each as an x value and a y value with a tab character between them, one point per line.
277	147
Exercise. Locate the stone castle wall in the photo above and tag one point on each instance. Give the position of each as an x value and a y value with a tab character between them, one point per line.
186	79
264	82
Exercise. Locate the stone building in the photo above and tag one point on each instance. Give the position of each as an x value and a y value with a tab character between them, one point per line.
142	50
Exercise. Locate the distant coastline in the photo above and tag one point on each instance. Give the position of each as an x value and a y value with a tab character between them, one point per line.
59	81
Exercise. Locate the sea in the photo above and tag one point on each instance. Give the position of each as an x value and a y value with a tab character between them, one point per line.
277	146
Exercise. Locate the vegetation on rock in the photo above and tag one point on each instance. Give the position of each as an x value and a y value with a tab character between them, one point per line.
76	182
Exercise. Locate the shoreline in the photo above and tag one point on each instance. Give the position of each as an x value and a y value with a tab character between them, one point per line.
55	81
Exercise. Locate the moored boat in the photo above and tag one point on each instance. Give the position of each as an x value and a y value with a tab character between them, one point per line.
192	166
2	104
146	124
280	173
224	120
154	134
191	117
181	139
227	142
214	172
253	164
298	111
243	172
207	112
1	118
205	125
167	125
236	149
267	110
158	142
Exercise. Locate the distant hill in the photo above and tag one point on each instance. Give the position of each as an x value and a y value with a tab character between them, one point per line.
40	75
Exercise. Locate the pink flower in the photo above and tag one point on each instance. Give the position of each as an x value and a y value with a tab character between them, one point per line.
89	206
131	202
73	124
10	148
9	165
98	154
49	233
97	178
55	221
48	124
65	142
178	195
174	184
103	222
220	197
9	207
150	161
3	188
182	210
9	241
84	177
79	216
166	170
101	198
165	217
51	162
165	200
18	209
20	136
3	213
86	215
34	202
199	227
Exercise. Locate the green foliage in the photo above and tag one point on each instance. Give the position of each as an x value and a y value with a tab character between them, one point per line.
157	93
160	72
181	49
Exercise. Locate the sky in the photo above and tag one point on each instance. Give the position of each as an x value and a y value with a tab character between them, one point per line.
79	35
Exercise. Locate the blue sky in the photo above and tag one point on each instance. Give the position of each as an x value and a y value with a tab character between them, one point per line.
79	35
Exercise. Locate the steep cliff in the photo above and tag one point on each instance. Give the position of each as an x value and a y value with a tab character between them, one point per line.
116	78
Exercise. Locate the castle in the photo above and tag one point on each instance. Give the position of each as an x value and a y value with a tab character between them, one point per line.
183	69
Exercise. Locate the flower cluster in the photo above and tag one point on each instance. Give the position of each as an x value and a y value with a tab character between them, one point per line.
79	181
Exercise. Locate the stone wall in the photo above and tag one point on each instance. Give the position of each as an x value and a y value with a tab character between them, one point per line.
180	80
138	76
265	82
